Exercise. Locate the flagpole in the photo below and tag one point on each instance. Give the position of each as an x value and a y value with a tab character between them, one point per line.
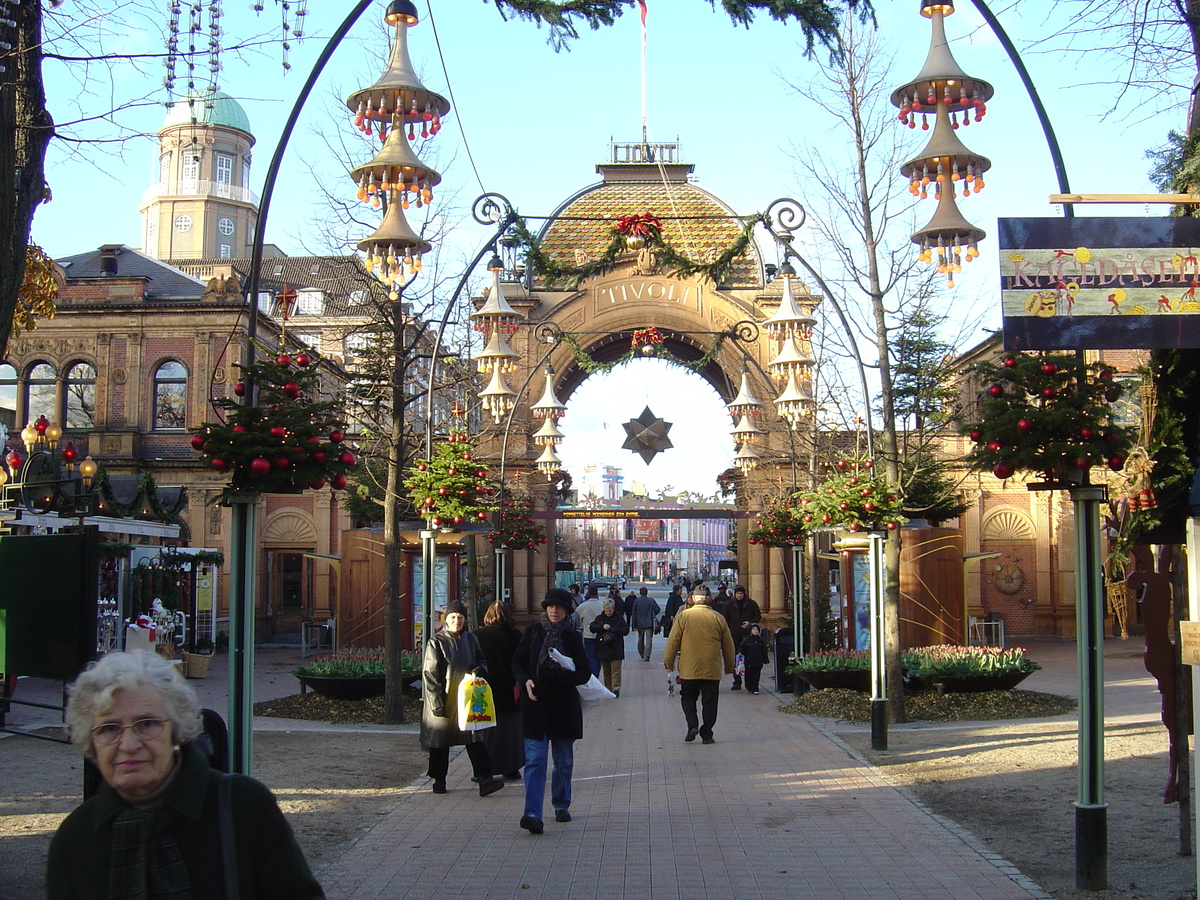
645	135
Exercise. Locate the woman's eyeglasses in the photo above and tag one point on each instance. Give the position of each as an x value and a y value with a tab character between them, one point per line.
143	730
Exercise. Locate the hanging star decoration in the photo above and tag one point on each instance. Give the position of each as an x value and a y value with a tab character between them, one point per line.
647	435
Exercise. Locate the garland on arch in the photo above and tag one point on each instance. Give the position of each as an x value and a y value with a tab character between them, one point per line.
589	366
648	229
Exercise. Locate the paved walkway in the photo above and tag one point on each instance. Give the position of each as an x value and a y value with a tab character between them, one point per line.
774	809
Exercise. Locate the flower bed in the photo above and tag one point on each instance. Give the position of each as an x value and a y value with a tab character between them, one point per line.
948	667
355	673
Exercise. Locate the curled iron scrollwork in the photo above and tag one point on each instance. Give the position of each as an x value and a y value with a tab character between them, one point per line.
745	331
492	208
784	217
548	333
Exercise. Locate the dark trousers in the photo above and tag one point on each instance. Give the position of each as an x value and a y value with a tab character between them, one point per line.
753	673
439	761
707	692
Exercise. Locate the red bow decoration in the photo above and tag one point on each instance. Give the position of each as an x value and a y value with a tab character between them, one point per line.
643	226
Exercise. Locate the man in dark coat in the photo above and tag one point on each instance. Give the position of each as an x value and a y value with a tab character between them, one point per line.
741	612
551	713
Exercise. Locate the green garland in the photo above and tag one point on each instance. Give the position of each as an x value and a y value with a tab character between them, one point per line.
591	367
679	265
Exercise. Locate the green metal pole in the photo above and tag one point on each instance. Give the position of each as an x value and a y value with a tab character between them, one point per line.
797	608
242	567
428	556
875	561
501	574
1091	810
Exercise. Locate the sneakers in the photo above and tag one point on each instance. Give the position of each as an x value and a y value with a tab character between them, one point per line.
754	692
532	825
561	815
691	734
708	740
490	786
439	785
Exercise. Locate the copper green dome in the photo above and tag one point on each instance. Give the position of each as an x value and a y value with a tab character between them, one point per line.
208	108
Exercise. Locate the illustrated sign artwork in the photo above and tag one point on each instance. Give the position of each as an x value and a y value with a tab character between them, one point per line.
1100	283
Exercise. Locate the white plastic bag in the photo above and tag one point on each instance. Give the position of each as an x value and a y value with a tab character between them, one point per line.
562	659
593	691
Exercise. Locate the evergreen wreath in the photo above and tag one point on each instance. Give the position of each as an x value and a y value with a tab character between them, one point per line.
286	442
1050	414
516	529
451	488
591	367
647	227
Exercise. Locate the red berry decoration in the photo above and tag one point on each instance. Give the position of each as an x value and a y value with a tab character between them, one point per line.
303	359
996	391
841	463
1002	471
1024	426
260	465
337	437
339	481
467	456
1049	368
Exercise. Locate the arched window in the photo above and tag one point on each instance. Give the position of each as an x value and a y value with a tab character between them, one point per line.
39	392
170	396
8	397
81	396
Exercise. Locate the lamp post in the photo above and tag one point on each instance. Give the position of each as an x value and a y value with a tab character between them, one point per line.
37	477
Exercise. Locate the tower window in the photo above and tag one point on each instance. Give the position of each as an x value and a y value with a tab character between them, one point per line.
183	223
225	225
224	251
224	173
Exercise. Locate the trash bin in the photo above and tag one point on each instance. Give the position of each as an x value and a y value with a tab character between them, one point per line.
784	647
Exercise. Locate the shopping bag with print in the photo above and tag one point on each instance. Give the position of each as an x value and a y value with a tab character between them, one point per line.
739	665
476	706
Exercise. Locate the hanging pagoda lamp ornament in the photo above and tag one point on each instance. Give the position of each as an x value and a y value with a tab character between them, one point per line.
789	320
745	403
647	435
549	463
497	397
393	252
496	314
745	459
549	406
396	172
792	359
497	353
745	432
549	433
796	403
943	90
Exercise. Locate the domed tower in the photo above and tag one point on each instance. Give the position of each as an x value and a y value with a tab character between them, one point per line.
201	205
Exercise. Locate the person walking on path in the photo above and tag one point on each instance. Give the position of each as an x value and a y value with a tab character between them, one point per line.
498	638
551	712
610	629
628	607
587	612
645	608
741	612
701	641
753	650
674	603
450	655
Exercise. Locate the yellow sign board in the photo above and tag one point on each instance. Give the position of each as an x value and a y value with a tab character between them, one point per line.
1189	633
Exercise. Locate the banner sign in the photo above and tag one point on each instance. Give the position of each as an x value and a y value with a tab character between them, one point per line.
1101	283
655	514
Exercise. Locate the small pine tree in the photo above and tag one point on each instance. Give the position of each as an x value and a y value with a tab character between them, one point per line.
450	489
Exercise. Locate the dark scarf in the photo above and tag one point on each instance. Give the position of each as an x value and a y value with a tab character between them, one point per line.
146	861
552	637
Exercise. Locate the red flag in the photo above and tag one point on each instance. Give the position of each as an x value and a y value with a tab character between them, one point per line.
642	4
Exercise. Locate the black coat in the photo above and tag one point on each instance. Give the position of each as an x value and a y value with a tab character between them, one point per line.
499	643
610	647
754	651
736	613
448	658
557	713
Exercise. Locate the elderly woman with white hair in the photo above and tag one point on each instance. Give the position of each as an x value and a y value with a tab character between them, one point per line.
163	824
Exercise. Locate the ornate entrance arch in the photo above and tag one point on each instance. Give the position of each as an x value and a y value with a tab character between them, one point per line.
580	328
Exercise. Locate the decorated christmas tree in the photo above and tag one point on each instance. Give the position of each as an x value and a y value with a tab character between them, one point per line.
516	529
450	489
1049	414
287	441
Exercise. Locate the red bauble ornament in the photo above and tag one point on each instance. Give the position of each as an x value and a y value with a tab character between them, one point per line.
1111	395
843	505
1001	470
854	480
1049	368
995	446
278	431
260	465
452	471
467	456
855	526
996	391
197	441
1049	393
976	435
219	464
841	464
347	458
437	520
1024	426
318	484
458	520
1105	374
292	389
441	492
240	389
892	526
239	429
319	456
337	437
1082	463
422	467
869	464
1086	433
1010	363
481	515
303	359
339	481
281	462
283	359
1116	463
869	506
826	519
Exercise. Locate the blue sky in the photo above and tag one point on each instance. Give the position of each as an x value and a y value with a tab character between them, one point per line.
537	122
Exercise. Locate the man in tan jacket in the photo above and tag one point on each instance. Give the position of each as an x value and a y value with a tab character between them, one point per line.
700	638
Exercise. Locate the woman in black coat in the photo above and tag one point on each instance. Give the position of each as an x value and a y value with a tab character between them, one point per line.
449	655
551	713
610	629
498	639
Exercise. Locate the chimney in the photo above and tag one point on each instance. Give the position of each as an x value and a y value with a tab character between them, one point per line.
108	259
